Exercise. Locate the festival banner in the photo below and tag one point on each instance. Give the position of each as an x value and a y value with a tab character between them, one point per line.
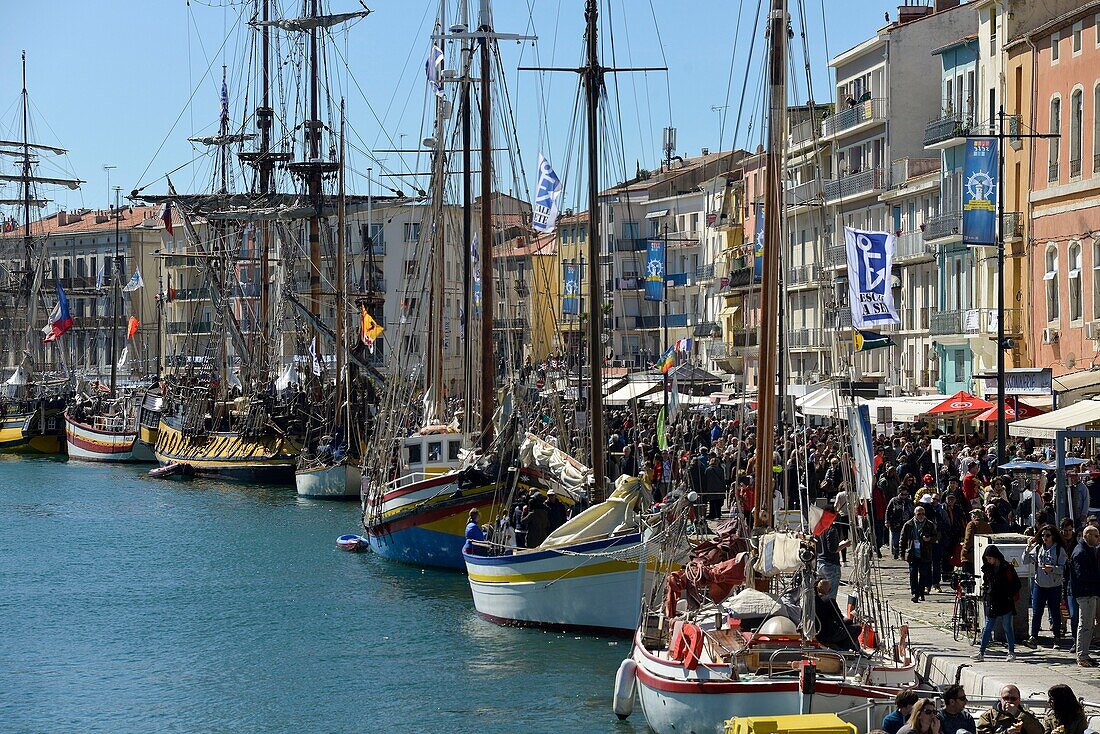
544	212
475	268
570	302
655	272
979	217
870	259
859	426
758	245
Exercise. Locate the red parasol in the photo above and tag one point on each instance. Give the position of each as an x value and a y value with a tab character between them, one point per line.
1014	411
961	402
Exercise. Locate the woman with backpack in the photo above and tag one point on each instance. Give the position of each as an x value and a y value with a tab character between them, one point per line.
1048	558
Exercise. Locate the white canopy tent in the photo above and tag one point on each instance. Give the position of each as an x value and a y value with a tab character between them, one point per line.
825	403
904	410
1079	415
631	391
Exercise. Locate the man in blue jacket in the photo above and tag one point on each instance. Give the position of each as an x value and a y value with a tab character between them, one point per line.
1085	582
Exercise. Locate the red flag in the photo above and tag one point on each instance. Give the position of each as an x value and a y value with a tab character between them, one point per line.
820	519
132	327
167	217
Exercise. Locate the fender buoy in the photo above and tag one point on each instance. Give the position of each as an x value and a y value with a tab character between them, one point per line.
624	689
693	637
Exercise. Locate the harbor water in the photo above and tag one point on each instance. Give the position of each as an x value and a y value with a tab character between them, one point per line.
133	604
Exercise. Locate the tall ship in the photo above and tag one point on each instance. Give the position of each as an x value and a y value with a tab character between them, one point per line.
250	365
32	398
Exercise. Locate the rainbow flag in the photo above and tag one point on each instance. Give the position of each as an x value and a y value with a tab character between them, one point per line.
667	361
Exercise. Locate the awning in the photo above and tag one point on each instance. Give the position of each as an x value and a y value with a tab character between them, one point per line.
657	397
1076	386
631	391
657	214
827	403
904	410
1078	415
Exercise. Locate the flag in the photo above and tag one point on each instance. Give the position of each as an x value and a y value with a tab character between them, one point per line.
655	272
135	282
870	290
166	217
684	345
171	294
865	340
475	268
667	361
662	440
225	99
99	279
570	302
979	195
124	357
314	362
61	320
674	400
820	519
132	327
370	331
544	212
433	67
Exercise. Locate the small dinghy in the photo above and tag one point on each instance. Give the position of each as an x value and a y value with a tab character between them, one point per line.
175	469
352	543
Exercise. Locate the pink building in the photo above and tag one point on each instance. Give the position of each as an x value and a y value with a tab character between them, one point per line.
1064	245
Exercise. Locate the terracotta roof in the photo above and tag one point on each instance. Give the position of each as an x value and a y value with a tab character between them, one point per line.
525	245
87	222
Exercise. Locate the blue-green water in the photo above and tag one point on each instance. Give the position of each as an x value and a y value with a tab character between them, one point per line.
131	604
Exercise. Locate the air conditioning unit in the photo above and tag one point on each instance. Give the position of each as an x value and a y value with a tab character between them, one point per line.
1050	336
1092	330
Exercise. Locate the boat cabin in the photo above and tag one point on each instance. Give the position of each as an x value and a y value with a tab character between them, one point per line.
432	453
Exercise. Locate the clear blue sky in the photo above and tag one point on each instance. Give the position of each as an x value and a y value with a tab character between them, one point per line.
111	80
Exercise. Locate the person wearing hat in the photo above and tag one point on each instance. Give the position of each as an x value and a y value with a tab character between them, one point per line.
555	510
919	538
927	487
978	525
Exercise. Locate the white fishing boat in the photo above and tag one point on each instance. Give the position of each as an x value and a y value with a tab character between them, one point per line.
337	481
589	575
106	437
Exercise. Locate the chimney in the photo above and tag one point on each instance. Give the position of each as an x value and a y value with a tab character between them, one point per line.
942	5
915	11
706	151
62	218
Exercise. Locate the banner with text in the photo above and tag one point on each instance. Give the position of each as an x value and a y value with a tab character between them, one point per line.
979	218
758	245
870	259
570	302
655	272
544	212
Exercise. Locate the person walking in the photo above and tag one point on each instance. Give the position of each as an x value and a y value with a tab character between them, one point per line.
1085	582
898	511
954	717
829	546
1000	586
1065	715
978	525
1049	561
714	487
918	538
1009	716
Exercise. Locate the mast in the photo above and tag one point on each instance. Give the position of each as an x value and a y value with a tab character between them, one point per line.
114	302
593	82
341	279
28	245
467	230
437	272
264	119
313	141
488	398
770	288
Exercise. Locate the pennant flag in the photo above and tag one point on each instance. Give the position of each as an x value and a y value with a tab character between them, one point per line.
124	357
135	282
544	212
61	320
171	294
662	440
166	217
865	340
132	327
433	67
820	519
225	98
314	361
667	361
475	267
370	331
674	400
99	279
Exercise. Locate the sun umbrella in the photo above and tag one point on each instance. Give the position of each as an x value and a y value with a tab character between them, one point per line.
1070	461
1013	411
961	402
1024	464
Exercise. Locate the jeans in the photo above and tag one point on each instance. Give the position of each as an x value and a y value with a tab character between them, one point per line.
895	541
920	571
987	633
881	538
830	571
1071	607
1049	598
1086	621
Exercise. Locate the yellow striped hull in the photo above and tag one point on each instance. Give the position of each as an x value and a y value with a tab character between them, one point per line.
262	459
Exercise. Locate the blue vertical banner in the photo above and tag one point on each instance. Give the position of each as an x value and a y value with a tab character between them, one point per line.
758	245
475	268
979	219
655	272
570	302
870	259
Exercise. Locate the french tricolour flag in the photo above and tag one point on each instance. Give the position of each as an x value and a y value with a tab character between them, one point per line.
820	519
60	318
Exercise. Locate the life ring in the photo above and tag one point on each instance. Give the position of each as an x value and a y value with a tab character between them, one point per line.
623	699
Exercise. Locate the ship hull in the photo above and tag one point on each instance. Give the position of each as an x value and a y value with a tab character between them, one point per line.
226	454
88	443
18	435
337	482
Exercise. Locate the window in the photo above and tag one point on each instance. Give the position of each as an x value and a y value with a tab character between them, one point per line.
993	29
1077	27
1096	277
1096	127
1055	129
453	448
1051	278
412	231
1076	115
435	451
373	234
1054	49
1075	282
414	453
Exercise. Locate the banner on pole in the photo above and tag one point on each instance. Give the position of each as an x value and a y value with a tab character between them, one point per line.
758	245
979	217
544	212
655	272
570	302
870	259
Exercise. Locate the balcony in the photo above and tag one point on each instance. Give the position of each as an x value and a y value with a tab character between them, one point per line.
638	322
910	246
740	278
519	322
944	129
807	339
704	272
522	288
1096	163
631	245
674	280
744	338
802	135
1052	173
677	320
629	284
188	327
1074	167
682	239
192	294
837	256
805	275
707	329
871	110
975	322
905	169
948	224
807	193
1012	226
853	185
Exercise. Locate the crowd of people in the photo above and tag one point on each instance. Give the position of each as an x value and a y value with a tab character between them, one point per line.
1007	715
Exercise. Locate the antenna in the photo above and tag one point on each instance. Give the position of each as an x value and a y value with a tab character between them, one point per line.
669	143
108	168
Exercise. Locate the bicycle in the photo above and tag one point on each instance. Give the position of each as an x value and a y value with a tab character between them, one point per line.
964	616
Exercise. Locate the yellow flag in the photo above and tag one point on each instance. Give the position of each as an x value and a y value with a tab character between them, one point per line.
371	330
